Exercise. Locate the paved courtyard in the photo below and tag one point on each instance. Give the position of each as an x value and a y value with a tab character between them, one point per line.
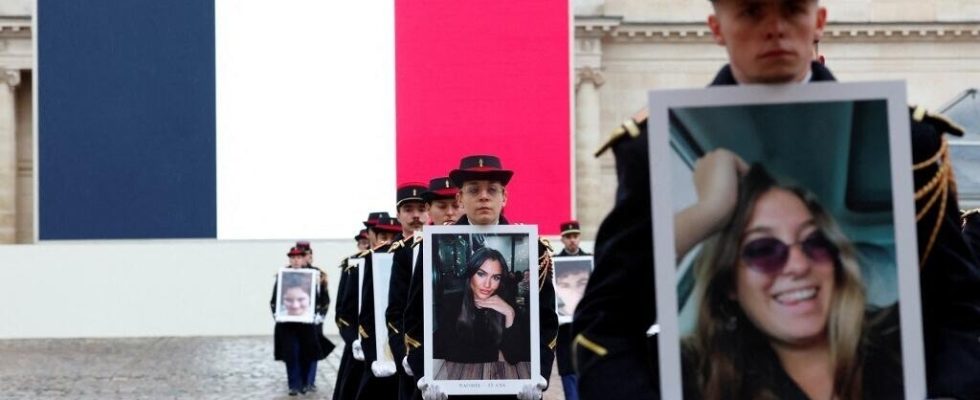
157	368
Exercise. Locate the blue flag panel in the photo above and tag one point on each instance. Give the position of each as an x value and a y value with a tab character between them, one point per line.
126	119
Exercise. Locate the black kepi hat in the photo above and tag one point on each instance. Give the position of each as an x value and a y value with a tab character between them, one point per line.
410	191
373	218
570	227
388	224
480	167
439	189
361	235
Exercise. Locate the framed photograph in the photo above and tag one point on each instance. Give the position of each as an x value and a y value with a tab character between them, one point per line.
296	294
571	277
798	236
481	308
381	275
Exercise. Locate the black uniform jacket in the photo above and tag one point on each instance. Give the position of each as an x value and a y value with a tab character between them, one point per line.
365	318
616	359
350	370
414	312
401	278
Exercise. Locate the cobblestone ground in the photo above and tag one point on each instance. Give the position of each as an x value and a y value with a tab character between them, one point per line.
157	368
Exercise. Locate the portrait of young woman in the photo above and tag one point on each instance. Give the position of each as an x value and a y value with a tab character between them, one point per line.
781	310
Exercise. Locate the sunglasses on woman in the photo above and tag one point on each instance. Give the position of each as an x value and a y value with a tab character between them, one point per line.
769	255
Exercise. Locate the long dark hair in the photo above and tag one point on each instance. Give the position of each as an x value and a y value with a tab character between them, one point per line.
723	349
466	322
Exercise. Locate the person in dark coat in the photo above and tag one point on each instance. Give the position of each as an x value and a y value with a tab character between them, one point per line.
571	236
377	381
385	379
362	240
768	42
297	344
322	307
350	369
444	209
482	183
571	233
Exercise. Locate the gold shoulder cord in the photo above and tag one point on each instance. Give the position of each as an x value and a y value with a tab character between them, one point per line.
938	189
544	268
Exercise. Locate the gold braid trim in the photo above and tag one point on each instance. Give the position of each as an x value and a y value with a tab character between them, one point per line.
594	347
393	328
932	201
361	331
554	343
935	157
340	321
412	343
941	183
544	269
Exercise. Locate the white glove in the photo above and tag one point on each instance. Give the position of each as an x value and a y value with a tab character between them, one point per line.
533	391
382	369
317	319
431	392
357	350
408	368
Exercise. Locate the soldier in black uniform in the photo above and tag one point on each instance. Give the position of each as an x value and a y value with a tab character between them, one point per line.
377	381
297	344
443	209
322	307
413	214
769	41
350	370
571	239
362	240
570	235
482	191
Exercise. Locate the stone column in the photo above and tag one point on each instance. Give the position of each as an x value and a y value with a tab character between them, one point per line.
587	135
9	79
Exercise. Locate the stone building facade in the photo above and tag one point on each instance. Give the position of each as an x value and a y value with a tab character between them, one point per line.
16	122
625	47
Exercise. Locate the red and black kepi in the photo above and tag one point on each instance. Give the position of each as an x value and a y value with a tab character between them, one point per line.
296	251
305	246
480	168
388	224
373	218
410	191
440	188
361	235
568	227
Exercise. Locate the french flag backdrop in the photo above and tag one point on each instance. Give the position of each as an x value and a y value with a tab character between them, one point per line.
258	119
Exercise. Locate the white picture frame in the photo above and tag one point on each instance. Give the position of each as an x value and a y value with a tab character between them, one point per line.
673	109
292	284
357	262
572	290
452	377
381	264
